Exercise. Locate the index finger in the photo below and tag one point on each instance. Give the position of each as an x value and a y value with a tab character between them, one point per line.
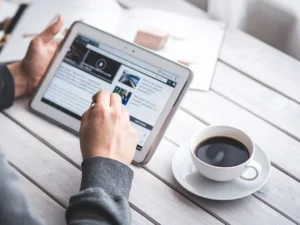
48	34
115	101
102	98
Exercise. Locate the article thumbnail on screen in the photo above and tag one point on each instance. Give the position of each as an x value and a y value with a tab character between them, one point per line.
129	79
125	95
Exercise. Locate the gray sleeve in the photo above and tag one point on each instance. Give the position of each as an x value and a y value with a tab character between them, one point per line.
7	88
13	205
103	196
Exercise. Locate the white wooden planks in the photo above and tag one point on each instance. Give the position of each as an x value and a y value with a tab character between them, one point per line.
262	62
154	199
51	212
138	219
41	204
186	131
163	203
45	167
281	192
214	109
273	107
244	211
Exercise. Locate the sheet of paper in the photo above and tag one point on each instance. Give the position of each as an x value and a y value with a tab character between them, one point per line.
175	6
99	13
197	40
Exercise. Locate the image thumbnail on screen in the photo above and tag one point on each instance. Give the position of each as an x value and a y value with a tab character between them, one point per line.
128	79
81	56
125	95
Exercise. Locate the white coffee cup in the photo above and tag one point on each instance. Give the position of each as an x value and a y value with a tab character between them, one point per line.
248	170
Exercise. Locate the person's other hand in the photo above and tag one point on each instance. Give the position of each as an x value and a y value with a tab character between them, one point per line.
106	131
28	72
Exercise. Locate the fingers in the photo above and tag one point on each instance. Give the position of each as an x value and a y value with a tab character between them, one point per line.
48	34
102	98
105	99
125	113
115	101
84	119
85	116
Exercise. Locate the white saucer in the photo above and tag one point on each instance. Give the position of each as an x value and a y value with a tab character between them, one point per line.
189	178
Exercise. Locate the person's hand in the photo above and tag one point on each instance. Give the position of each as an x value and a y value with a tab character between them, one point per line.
28	72
106	131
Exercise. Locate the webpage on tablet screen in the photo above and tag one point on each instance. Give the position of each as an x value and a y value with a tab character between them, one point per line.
90	66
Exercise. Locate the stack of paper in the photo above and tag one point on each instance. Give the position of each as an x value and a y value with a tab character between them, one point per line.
196	40
191	39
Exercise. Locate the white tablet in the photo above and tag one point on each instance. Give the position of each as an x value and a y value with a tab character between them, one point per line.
90	60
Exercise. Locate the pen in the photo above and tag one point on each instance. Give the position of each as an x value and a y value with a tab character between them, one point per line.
12	24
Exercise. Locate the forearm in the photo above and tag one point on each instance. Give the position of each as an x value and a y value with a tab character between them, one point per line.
13	205
103	198
20	82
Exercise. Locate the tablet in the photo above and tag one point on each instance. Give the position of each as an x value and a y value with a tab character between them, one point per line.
89	60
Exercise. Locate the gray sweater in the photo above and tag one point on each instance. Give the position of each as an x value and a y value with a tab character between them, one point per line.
104	191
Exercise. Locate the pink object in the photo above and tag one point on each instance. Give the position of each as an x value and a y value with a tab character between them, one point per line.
151	38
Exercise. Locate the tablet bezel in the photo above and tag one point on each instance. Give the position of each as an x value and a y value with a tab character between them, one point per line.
72	124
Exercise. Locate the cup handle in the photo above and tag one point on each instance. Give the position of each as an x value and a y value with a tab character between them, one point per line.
253	165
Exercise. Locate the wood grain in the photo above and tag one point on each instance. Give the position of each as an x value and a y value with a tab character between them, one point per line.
142	194
278	110
41	164
45	167
281	192
185	131
244	211
41	204
262	62
138	219
51	212
282	149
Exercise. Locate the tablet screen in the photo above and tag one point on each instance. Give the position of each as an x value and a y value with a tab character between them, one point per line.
90	66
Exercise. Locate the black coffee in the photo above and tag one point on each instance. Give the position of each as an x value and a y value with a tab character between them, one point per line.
222	152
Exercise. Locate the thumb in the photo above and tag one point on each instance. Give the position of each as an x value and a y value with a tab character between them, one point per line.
48	34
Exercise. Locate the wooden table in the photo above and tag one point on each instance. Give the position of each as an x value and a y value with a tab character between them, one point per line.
256	88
